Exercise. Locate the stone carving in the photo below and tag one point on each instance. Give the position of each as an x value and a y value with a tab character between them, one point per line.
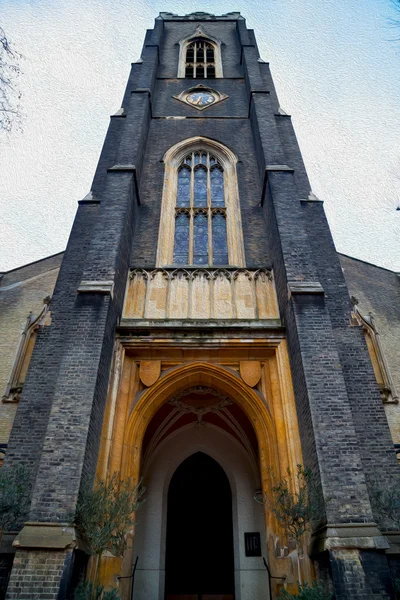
199	411
201	293
250	371
149	371
201	390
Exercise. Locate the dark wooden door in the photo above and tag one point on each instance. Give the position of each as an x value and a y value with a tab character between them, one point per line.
199	553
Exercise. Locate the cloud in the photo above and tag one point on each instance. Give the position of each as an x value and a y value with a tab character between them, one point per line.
336	72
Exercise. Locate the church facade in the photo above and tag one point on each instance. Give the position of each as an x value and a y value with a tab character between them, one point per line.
201	337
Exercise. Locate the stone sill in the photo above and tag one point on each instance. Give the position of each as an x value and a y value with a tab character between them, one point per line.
258	324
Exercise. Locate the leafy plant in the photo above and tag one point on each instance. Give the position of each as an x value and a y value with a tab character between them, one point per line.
296	507
111	594
14	495
386	505
307	592
396	585
104	515
86	591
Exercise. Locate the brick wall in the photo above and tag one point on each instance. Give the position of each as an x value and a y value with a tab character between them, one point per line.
21	291
37	574
378	292
349	568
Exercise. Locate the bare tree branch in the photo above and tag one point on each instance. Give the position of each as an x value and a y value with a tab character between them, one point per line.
10	109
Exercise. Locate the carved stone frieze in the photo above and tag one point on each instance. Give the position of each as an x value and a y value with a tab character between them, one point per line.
201	293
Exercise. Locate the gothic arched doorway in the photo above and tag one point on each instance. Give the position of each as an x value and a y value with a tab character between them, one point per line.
199	549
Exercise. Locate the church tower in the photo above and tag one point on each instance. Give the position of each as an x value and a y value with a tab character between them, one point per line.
201	338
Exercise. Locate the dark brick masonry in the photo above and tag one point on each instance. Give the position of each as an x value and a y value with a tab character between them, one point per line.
345	437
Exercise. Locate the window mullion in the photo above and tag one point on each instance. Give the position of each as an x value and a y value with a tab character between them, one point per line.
191	218
209	212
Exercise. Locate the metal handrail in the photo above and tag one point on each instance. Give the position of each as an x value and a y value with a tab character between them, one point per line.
131	577
271	576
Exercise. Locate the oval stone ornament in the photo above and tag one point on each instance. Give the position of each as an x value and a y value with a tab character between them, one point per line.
149	371
250	371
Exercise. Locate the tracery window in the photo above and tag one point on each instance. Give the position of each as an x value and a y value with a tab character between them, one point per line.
200	212
200	221
200	60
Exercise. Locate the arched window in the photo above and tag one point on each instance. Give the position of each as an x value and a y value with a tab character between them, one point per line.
200	221
200	60
24	353
200	56
200	213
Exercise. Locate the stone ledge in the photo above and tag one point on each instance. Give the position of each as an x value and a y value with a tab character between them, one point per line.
393	538
334	536
118	168
201	323
305	287
272	168
96	287
51	536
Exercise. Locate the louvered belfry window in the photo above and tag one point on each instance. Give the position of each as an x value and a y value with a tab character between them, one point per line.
200	60
200	212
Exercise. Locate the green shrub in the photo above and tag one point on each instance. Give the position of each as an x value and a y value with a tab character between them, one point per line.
85	591
111	595
306	592
14	495
104	516
396	585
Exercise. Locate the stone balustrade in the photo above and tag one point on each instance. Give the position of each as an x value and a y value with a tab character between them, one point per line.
200	293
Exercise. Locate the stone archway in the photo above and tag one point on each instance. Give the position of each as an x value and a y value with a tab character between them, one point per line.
150	540
244	474
271	415
223	380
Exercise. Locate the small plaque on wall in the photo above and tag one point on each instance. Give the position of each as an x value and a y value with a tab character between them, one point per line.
252	543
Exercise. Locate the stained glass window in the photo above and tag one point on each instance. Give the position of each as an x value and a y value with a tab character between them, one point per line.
200	60
200	252
220	246
200	223
181	249
217	187
184	187
200	187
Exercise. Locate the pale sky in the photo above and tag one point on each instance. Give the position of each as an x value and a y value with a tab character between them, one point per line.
336	66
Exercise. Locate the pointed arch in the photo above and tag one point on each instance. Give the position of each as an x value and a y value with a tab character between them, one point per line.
223	380
202	37
178	210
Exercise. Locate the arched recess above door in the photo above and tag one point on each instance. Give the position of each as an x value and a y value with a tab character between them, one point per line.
199	374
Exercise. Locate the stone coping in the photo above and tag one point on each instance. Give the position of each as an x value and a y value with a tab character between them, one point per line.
51	536
258	324
334	536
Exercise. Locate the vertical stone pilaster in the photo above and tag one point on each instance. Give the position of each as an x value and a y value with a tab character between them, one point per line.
325	368
79	357
30	425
